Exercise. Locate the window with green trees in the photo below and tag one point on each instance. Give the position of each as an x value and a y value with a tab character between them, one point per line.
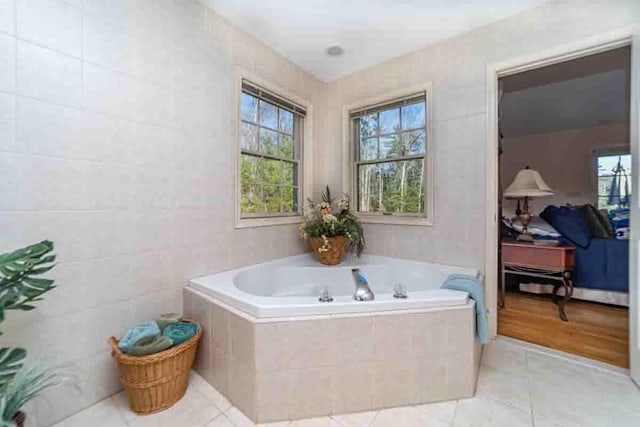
270	153
390	152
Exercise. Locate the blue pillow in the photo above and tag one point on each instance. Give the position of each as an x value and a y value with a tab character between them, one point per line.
619	218
570	223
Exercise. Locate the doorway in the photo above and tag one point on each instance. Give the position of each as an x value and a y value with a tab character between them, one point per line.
563	54
565	168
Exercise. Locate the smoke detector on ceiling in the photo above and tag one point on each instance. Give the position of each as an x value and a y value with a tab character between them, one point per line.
334	50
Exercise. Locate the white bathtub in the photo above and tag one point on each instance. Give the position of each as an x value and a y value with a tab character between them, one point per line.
291	286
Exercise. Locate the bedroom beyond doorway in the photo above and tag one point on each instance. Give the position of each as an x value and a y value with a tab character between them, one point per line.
565	189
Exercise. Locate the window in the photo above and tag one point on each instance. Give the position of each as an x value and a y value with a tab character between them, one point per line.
614	180
390	152
271	130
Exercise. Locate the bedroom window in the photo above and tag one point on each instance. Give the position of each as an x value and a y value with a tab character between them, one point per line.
613	180
271	133
391	159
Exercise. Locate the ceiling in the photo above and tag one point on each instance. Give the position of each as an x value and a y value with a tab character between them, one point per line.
582	93
370	31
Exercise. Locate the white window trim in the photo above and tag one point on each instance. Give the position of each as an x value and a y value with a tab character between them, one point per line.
348	154
306	160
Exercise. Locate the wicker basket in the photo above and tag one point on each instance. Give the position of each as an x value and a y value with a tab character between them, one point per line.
156	381
332	254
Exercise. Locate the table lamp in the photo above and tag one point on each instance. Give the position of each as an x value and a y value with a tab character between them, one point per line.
527	184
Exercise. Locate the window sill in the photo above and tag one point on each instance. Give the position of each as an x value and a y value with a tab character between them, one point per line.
267	222
395	220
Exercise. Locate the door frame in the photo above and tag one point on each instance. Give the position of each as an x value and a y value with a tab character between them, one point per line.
574	50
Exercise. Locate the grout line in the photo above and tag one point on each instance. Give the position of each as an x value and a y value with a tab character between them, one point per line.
127	300
148	80
495	399
82	65
331	417
455	412
4	33
526	364
221	414
91	110
229	418
15	18
374	418
567	357
142	166
52	49
15	76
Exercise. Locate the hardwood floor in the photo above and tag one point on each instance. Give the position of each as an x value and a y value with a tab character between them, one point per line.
596	331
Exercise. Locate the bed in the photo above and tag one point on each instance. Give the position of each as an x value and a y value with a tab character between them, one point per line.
604	264
601	263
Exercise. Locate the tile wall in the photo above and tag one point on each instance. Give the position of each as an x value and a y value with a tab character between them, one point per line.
115	142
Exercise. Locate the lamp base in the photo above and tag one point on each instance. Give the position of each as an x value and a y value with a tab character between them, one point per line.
524	238
525	218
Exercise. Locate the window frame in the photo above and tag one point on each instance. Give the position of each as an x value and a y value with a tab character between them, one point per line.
350	155
304	161
611	150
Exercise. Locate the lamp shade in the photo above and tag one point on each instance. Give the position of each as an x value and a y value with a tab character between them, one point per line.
528	183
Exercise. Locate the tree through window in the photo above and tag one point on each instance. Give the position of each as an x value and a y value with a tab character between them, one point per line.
390	151
270	152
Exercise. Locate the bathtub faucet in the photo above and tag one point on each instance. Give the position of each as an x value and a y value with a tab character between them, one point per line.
363	292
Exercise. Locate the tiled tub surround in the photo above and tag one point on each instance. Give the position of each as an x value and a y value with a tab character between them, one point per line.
299	367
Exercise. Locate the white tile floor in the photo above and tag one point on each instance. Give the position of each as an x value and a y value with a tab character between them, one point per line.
518	386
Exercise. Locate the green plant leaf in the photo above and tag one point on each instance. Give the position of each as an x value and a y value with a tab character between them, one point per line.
326	195
5	421
18	285
28	383
41	270
10	363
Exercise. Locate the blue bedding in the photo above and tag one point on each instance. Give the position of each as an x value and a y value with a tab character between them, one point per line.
604	264
599	263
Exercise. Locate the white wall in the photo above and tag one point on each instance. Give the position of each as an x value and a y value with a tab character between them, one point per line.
458	70
565	160
115	143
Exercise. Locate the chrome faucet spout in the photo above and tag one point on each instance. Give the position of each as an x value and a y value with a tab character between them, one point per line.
363	292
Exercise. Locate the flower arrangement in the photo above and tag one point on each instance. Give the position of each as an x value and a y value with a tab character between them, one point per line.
332	231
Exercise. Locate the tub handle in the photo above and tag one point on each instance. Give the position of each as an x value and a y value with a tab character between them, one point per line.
325	296
399	291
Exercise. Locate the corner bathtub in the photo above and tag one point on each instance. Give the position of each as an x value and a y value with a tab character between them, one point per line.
278	353
291	286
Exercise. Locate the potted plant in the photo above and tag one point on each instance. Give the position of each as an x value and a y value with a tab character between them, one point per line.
19	288
27	384
332	231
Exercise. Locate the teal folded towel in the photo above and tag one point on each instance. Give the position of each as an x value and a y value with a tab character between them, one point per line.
146	329
168	319
180	332
149	345
475	289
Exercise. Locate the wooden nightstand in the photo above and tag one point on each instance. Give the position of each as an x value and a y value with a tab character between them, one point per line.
548	262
